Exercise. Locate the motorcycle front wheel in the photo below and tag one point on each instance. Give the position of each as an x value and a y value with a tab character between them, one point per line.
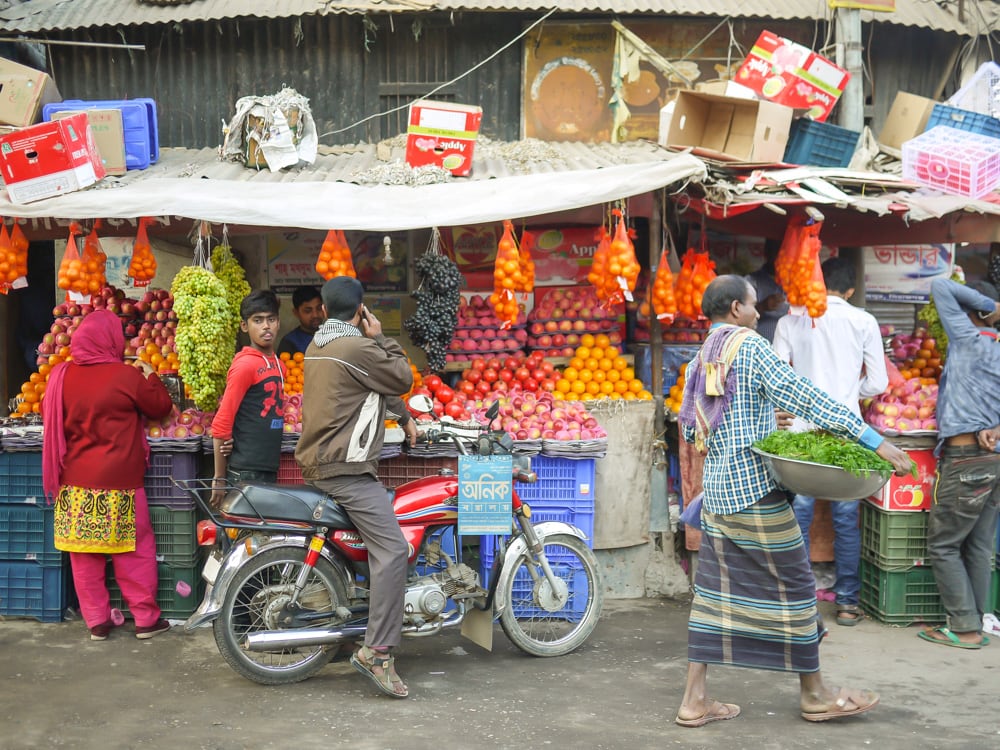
546	620
252	604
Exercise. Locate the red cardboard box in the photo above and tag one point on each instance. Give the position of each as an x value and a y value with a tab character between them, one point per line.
787	73
442	134
49	159
907	493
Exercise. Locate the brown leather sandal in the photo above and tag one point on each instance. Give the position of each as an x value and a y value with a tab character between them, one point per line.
367	660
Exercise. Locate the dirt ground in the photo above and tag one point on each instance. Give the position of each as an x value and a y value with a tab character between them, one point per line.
620	690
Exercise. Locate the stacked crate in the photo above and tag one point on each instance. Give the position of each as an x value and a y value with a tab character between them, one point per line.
897	583
174	516
564	492
32	575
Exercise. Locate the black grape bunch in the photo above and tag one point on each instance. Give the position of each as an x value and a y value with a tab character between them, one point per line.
432	326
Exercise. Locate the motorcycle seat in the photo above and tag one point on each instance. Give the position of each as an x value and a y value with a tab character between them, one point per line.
286	502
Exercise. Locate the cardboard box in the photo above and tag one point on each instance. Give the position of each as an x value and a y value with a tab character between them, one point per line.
725	127
907	493
50	159
109	135
23	92
906	119
787	73
442	134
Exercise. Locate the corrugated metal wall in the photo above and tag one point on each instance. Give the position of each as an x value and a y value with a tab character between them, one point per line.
196	72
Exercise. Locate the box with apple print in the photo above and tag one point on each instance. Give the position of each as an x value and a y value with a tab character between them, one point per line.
907	493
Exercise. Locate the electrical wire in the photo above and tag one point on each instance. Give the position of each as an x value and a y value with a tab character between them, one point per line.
475	67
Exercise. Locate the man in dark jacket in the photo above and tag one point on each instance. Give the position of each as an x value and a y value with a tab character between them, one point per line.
353	377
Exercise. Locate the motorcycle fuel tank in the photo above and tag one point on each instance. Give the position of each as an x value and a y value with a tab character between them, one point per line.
428	500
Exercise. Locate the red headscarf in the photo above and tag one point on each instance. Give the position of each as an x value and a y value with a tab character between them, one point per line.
97	340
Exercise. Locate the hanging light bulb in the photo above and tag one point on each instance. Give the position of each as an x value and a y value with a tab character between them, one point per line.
387	247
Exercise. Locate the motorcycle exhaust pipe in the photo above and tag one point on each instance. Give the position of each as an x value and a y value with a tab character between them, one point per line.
282	640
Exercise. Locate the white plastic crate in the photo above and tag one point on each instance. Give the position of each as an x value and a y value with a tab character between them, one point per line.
953	161
982	93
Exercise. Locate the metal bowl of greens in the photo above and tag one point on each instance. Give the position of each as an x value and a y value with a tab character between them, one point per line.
821	465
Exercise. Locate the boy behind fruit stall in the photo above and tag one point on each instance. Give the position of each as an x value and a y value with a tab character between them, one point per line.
251	412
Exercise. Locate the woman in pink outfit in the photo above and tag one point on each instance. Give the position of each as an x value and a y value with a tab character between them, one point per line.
94	456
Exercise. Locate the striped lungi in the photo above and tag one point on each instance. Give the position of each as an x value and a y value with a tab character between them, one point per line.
754	593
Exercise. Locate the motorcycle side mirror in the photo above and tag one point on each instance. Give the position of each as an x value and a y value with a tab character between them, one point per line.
421	403
493	411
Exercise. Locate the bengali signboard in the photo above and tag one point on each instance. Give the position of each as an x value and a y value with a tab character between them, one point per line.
903	273
484	494
291	261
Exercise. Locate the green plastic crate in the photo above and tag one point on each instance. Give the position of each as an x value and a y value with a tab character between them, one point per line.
900	597
173	605
176	543
893	540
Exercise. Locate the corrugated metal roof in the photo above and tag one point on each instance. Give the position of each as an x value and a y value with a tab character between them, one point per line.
49	15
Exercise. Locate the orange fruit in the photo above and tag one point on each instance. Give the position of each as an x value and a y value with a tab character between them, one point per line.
620	363
570	374
284	356
585	376
613	376
577	363
607	387
628	373
592	364
606	364
563	386
635	386
602	339
578	387
593	388
298	356
583	352
599	376
621	386
644	395
587	339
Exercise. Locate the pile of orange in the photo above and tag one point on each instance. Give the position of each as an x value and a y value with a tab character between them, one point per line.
29	400
294	372
676	395
597	370
162	358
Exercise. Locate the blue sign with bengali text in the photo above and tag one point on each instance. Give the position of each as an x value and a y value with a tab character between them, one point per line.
484	494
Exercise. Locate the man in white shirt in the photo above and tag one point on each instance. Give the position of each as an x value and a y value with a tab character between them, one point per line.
842	353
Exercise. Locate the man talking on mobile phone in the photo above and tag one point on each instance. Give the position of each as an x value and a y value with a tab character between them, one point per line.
354	376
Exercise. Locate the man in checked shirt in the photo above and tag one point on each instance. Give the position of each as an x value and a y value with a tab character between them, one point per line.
755	597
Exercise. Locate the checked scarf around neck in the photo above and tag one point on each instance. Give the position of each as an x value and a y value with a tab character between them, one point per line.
711	382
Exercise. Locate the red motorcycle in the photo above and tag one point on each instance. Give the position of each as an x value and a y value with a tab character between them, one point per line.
287	575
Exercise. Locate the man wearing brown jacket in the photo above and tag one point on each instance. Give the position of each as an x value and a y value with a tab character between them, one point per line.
353	377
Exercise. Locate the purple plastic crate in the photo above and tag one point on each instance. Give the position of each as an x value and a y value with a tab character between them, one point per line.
162	466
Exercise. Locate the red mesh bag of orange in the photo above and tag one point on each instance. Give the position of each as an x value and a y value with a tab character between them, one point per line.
335	257
663	298
697	272
797	267
142	266
513	271
614	270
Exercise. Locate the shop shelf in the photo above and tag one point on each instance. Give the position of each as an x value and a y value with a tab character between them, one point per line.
963	119
21	477
160	490
174	529
28	589
26	534
173	605
820	144
954	161
900	598
982	93
289	471
893	540
402	469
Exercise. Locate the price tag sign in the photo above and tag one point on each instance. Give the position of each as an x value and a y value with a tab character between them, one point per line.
484	494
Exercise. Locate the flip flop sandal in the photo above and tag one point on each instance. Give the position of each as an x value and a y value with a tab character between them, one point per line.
840	711
950	639
849	615
731	712
366	661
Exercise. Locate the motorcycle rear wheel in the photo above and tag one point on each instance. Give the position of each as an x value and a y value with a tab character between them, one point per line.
534	618
252	603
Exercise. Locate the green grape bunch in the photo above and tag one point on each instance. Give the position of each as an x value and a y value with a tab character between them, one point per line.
205	338
229	271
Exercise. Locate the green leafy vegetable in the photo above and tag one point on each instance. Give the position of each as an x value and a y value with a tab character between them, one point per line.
823	448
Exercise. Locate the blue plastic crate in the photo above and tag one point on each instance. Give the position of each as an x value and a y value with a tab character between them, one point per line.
26	534
28	589
571	572
820	144
162	466
963	119
21	477
561	482
141	134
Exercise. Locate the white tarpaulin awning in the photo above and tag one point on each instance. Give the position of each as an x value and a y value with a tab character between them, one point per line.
229	193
